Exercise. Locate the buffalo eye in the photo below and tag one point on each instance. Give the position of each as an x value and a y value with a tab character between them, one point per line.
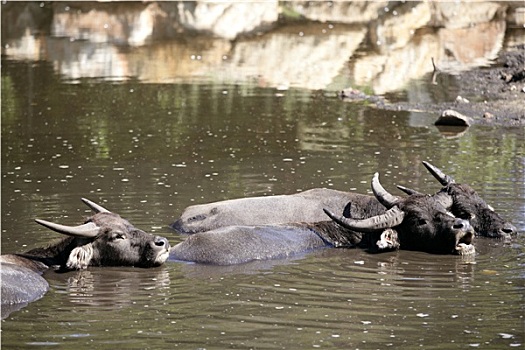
118	235
196	218
421	222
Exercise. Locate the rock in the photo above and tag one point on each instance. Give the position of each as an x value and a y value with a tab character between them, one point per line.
506	76
518	76
353	94
453	118
336	11
488	115
464	15
357	95
397	29
225	19
516	14
138	23
460	99
472	46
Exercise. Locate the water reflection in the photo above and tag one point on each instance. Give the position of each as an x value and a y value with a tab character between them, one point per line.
111	287
452	131
331	297
380	55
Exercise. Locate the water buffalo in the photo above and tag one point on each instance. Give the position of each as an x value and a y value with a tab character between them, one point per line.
105	239
307	207
420	223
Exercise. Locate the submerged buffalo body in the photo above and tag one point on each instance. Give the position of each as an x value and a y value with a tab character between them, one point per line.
21	283
307	207
105	239
416	222
239	244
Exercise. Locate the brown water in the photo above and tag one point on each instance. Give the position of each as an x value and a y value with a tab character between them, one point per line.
147	150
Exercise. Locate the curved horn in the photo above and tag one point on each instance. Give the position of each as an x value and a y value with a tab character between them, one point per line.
94	206
390	218
88	230
438	174
410	191
381	194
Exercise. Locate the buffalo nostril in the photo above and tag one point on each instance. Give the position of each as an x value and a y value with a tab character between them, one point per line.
161	241
509	229
461	224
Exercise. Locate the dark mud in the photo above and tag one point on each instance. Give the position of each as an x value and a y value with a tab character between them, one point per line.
495	94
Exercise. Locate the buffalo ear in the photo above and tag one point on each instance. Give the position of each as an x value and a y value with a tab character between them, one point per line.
80	257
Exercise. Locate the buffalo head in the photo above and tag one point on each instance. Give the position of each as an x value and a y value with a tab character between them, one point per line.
422	222
105	239
468	205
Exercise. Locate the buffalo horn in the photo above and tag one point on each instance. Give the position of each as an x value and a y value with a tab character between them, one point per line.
410	191
87	230
94	206
438	174
390	218
381	194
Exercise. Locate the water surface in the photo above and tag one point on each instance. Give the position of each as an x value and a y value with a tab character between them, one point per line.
148	150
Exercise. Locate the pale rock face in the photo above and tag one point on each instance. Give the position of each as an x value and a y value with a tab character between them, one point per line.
406	42
228	19
136	24
463	14
338	11
396	31
131	25
473	46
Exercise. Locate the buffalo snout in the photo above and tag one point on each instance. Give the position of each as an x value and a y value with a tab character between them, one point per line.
508	230
162	248
464	237
461	224
161	242
505	232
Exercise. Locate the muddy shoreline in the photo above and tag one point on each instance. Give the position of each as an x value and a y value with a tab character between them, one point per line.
492	95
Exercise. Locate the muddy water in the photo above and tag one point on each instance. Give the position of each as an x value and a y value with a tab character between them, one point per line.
148	150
